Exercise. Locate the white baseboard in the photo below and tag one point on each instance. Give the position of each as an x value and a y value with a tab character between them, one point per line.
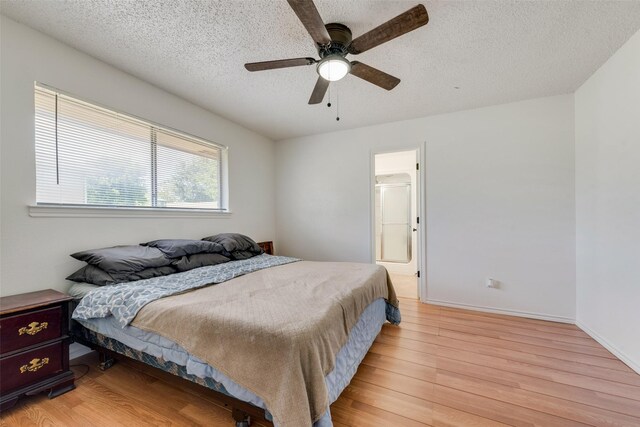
76	350
530	315
635	365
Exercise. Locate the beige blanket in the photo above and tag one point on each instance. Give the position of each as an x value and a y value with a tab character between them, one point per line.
276	331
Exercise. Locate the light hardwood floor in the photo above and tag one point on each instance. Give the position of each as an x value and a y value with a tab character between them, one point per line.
440	367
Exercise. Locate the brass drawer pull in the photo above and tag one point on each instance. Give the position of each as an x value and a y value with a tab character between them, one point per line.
34	328
34	365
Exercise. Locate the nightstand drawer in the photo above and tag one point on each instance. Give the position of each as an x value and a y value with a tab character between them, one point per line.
26	329
31	366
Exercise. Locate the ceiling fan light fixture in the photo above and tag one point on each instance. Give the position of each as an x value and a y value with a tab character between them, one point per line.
333	67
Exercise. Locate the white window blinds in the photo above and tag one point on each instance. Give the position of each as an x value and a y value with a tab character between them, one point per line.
88	155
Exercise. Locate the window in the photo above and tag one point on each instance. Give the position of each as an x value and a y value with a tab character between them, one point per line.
87	155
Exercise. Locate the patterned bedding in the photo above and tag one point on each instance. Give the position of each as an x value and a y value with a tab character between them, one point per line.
125	300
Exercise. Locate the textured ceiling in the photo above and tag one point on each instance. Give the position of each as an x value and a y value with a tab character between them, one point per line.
493	51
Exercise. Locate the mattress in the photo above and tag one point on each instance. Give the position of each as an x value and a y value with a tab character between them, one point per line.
348	358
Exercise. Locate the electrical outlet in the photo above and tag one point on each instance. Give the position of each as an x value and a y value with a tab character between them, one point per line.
491	283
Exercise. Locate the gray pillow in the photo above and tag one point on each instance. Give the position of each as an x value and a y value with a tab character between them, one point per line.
92	274
97	276
147	273
190	262
238	255
175	248
235	242
124	259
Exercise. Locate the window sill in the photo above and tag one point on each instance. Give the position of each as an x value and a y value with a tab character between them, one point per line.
53	211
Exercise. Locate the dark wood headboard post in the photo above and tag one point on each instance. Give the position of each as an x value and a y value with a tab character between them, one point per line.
267	247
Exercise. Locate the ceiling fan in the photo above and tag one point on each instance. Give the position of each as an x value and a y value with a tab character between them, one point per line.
334	42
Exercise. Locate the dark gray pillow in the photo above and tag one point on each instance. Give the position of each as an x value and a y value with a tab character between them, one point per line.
124	259
238	255
176	248
147	273
190	262
97	276
235	242
92	274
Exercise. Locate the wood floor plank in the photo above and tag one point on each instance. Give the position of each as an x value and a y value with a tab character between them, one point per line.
555	334
440	367
554	374
505	366
104	398
429	391
496	319
409	307
67	416
553	406
46	413
588	359
170	385
557	342
549	388
444	416
540	360
554	341
400	366
499	411
414	305
425	329
401	404
406	355
355	413
204	415
128	385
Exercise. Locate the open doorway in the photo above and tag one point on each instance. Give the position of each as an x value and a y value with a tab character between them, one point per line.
395	218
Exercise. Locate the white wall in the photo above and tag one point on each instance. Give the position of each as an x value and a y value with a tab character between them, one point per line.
607	117
500	201
35	251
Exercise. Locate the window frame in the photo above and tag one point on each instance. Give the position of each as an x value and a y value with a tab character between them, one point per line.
43	209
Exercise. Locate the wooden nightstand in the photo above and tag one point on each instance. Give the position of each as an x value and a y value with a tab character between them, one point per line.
267	247
34	345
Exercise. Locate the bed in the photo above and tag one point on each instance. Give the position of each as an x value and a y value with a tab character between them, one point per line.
277	333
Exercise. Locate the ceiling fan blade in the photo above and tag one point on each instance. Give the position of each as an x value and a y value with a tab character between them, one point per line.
410	20
373	75
319	90
280	63
310	18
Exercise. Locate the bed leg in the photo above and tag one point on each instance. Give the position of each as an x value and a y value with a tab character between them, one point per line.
241	418
106	361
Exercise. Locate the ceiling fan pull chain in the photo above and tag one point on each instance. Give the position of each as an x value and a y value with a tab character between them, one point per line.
329	103
337	105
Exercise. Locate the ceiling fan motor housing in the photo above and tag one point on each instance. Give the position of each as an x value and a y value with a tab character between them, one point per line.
340	40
